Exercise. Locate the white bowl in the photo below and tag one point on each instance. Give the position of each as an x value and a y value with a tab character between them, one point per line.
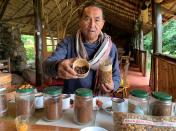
93	128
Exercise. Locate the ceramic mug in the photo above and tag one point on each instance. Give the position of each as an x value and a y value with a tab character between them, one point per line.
119	105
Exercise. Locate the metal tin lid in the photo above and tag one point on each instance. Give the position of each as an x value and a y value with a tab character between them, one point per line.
139	93
24	90
83	92
162	96
53	90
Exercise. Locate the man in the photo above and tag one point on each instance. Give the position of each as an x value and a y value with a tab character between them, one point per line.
89	43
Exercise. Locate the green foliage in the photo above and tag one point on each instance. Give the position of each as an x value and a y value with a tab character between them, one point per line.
148	42
169	39
28	41
30	52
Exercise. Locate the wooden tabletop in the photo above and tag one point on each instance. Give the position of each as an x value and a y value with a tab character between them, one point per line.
7	125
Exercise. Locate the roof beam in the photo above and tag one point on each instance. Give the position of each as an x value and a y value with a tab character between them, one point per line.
119	23
167	1
3	8
18	10
119	7
17	18
120	12
30	10
168	11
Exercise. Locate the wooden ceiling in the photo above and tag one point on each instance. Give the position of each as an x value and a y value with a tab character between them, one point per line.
122	14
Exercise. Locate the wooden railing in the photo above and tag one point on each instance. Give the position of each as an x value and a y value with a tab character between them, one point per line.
164	74
141	60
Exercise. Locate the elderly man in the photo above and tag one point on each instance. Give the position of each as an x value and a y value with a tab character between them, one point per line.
89	43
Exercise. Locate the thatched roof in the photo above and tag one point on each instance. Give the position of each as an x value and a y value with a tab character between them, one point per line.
120	13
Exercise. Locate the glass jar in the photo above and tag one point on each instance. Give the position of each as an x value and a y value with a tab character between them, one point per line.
138	102
160	104
25	101
3	101
53	103
83	106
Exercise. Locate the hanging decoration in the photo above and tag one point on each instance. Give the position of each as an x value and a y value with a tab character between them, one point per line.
158	1
144	11
145	16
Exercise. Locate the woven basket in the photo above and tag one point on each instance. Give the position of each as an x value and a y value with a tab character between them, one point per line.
81	63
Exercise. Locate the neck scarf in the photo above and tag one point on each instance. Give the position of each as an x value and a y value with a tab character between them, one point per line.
100	55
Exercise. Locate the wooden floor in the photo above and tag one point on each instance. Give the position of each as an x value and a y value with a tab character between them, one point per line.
137	81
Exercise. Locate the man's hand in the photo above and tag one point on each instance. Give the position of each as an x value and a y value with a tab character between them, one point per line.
108	87
65	70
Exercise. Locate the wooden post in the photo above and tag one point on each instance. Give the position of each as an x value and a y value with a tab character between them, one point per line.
157	27
45	52
156	39
141	48
141	39
38	42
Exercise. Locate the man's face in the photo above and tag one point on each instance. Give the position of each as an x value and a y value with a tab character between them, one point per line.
91	23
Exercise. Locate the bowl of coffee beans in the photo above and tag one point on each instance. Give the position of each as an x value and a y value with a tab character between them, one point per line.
81	66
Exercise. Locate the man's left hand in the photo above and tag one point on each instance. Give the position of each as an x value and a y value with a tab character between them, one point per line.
108	87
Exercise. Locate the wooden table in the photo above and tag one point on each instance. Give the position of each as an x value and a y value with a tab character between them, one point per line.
7	122
9	125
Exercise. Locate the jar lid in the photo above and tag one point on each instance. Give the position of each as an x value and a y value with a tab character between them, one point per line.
83	92
139	93
24	90
162	96
53	90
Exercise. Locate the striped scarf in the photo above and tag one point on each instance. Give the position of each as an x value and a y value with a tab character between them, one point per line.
100	55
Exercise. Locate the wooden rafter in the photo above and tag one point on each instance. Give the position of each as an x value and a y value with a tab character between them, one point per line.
3	8
18	10
167	1
17	18
168	11
121	8
120	12
118	21
29	11
120	26
131	17
126	4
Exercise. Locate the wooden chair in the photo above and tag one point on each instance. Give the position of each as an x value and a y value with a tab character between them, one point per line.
5	65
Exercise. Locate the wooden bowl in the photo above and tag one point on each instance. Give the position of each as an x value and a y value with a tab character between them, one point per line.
81	66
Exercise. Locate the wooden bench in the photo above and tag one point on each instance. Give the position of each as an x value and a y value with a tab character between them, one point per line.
5	75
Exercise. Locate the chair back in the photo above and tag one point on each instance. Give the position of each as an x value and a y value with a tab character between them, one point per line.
5	65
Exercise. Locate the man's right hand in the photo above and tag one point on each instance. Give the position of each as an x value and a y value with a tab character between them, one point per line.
65	70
